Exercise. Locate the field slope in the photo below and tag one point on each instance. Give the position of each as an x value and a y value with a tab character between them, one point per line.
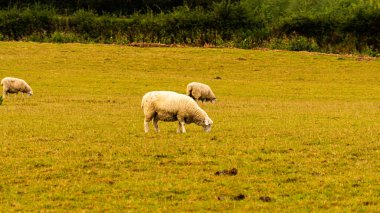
303	131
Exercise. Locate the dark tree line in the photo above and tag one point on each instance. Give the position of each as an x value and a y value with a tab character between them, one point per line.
120	7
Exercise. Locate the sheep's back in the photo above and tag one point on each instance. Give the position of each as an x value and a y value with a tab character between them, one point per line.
172	101
13	82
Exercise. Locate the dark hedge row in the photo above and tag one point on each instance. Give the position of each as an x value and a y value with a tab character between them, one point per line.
223	24
361	29
124	7
226	22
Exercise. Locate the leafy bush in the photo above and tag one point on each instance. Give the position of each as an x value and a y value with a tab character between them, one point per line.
301	43
17	23
294	43
62	37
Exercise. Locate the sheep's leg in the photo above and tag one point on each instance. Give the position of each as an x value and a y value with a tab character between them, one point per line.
182	123
179	127
146	126
5	92
146	123
155	124
149	115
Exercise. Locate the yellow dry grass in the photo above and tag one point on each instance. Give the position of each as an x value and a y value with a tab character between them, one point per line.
303	131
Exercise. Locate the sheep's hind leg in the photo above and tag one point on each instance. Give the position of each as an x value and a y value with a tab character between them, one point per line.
146	123
148	117
146	126
155	124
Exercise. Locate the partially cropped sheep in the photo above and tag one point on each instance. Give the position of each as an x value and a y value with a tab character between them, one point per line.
199	91
15	85
172	106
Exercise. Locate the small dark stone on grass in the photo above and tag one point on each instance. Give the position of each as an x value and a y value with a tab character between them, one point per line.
231	172
239	197
218	77
355	185
265	199
160	156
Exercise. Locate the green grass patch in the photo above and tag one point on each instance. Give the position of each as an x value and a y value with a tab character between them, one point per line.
302	130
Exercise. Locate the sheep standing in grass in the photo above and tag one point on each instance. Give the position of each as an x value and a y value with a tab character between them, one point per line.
199	91
171	106
15	85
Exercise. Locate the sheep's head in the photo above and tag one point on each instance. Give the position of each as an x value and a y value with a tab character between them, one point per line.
207	124
30	93
213	100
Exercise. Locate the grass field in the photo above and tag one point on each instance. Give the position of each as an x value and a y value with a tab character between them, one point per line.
302	129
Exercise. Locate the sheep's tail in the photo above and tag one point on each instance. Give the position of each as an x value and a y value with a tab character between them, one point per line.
148	98
144	99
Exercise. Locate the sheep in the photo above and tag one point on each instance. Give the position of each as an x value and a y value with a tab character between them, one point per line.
171	106
15	85
199	91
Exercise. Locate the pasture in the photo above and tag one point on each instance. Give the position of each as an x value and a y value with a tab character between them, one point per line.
302	129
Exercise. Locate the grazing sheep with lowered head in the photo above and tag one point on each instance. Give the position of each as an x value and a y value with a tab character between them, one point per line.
172	106
15	85
199	91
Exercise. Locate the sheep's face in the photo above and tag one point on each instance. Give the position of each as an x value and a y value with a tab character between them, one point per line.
30	93
207	125
213	100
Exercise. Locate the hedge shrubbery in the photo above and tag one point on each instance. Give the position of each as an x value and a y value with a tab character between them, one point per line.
123	7
346	27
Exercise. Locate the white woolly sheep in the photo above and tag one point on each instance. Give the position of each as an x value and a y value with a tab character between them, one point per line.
172	106
199	91
15	85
